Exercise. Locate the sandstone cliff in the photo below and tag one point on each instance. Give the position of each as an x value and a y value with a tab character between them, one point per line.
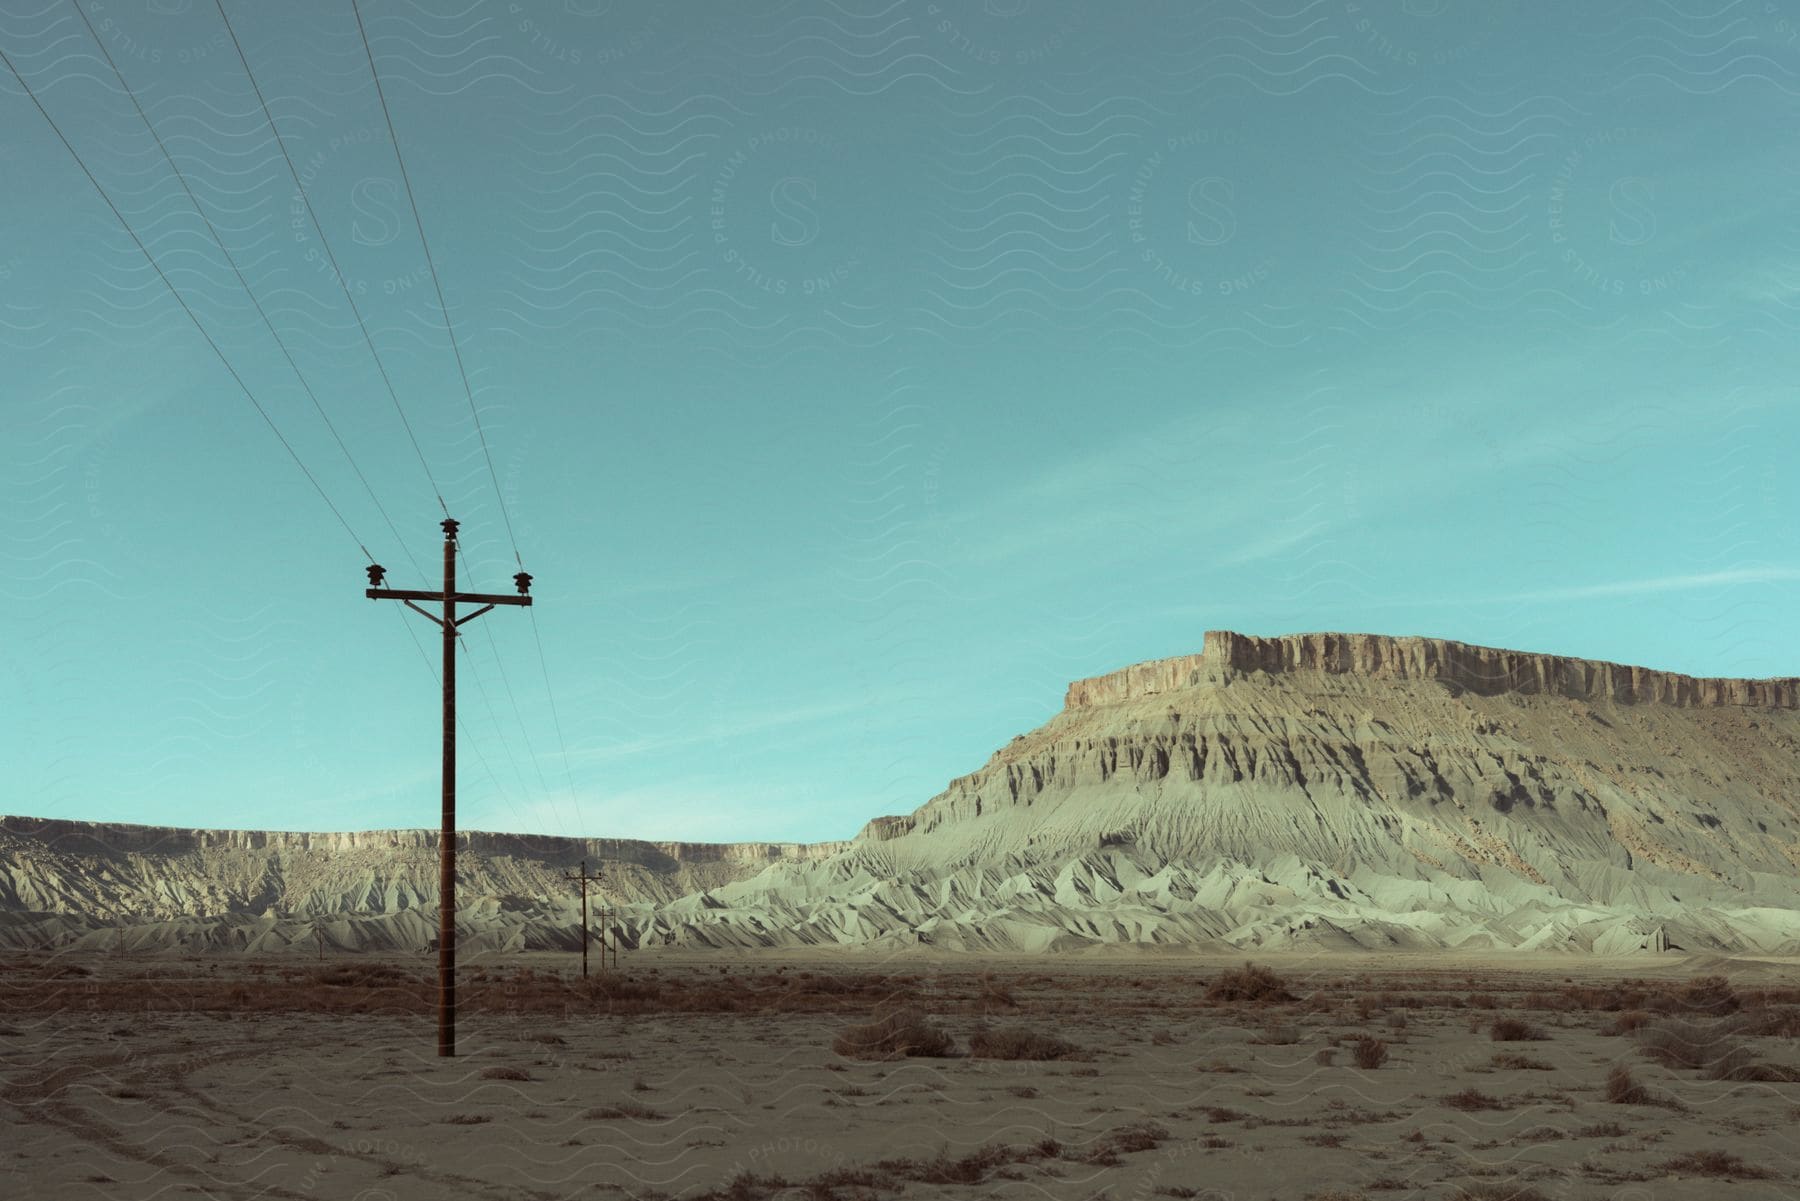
1480	669
130	875
1350	790
1335	790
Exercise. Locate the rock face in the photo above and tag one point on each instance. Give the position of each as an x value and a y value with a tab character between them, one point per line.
62	880
1483	670
1315	790
1339	790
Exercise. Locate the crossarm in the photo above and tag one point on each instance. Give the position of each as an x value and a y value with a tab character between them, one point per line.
412	594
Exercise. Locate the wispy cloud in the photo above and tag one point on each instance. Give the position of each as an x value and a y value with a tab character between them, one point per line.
741	727
1646	586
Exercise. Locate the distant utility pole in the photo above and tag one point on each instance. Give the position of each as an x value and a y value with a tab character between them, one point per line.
607	930
447	839
585	880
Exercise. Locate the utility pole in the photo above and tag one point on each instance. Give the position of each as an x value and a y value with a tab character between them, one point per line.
585	879
447	838
606	912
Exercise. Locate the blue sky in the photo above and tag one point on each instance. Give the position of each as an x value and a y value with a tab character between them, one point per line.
856	375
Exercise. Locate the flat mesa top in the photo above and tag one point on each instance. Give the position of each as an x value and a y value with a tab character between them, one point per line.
1481	669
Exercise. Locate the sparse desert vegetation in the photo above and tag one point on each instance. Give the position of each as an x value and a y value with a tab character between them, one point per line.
1512	1030
897	1032
1368	1053
770	1081
1018	1042
1714	1162
1250	984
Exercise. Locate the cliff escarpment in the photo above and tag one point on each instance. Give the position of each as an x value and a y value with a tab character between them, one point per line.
1315	790
1346	790
1487	671
139	873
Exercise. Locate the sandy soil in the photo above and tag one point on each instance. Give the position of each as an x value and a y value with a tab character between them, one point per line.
111	1090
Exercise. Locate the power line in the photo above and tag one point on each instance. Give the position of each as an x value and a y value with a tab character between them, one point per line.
299	374
179	299
499	789
468	391
337	273
506	681
474	414
218	241
554	718
488	702
394	140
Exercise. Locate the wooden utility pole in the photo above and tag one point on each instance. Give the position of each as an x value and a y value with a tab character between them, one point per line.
447	838
585	880
606	931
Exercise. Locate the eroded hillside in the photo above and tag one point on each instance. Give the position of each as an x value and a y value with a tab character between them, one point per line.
1320	789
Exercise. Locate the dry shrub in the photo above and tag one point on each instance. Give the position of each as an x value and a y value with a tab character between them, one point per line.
1627	1022
898	1032
626	1108
1709	995
1492	1190
1608	997
1482	1000
1470	1099
1520	1063
1325	1057
1369	1053
1250	983
1512	1030
1715	1163
1708	1049
1017	1042
1773	1022
1758	998
1137	1136
1602	1130
1740	1064
1679	1044
977	1167
366	975
1163	1038
1622	1089
505	1073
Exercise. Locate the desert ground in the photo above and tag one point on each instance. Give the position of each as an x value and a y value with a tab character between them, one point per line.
714	1076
